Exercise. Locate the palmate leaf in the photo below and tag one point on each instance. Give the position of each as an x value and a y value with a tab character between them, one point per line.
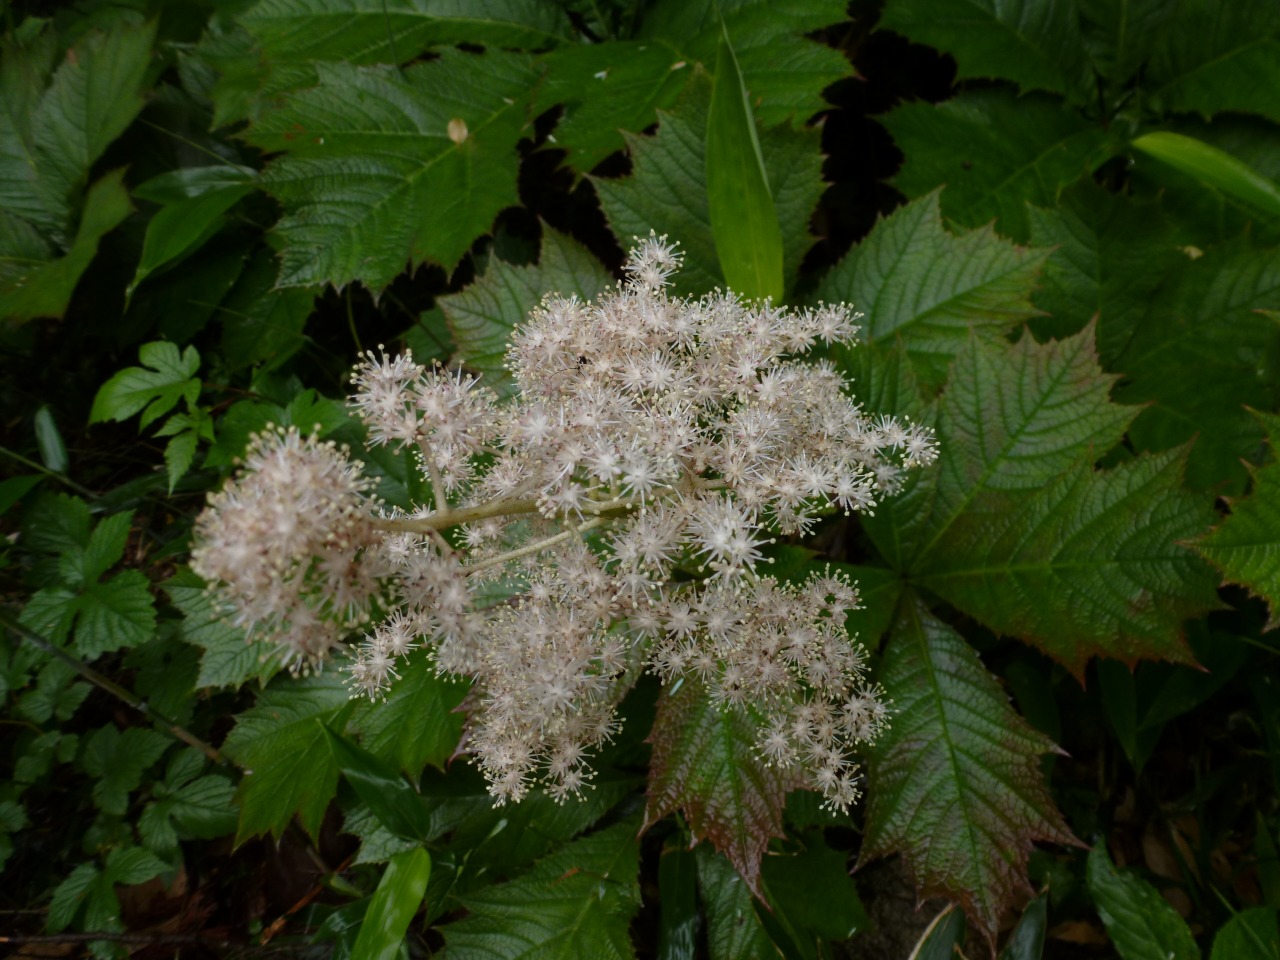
576	902
1214	57
1038	44
383	170
482	316
917	282
1205	349
705	764
1012	419
1246	546
995	152
668	189
955	785
1089	564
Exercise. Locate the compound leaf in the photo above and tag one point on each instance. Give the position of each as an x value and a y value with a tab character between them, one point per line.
155	388
705	765
915	281
576	902
385	169
1246	546
955	785
995	152
229	659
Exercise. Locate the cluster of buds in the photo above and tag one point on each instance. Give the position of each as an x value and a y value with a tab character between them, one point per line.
607	519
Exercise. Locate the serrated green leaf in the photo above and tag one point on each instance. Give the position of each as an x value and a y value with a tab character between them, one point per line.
1119	33
1246	546
782	68
178	229
1012	419
667	191
740	205
1213	166
382	788
1037	44
50	612
288	766
929	288
203	808
178	454
705	765
115	613
1201	354
733	929
53	136
153	389
482	316
395	31
577	902
1109	256
118	760
955	785
1249	935
1142	925
1213	57
383	169
106	546
1090	564
995	152
393	905
419	722
55	694
71	895
229	660
40	285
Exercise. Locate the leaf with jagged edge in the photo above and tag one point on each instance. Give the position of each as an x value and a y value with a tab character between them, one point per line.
1012	419
383	170
1215	57
1038	44
995	152
482	316
667	190
1205	350
1090	564
955	785
1119	33
288	766
1109	256
576	902
930	288
418	723
1246	546
608	88
705	764
274	47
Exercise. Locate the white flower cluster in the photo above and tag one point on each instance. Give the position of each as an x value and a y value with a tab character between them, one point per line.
608	519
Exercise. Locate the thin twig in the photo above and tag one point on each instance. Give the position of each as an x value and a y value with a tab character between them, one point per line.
60	477
110	686
132	939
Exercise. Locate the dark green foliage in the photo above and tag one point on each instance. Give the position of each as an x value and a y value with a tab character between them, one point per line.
207	209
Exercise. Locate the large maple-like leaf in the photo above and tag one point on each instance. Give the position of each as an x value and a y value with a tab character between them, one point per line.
915	281
1204	350
668	189
1035	43
1213	57
1246	547
1012	419
955	785
705	765
382	170
1091	563
482	316
995	152
576	902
